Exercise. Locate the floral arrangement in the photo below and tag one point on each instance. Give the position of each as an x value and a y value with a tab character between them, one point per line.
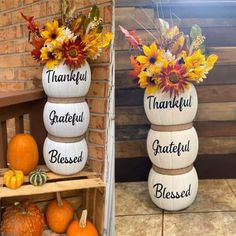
73	38
172	61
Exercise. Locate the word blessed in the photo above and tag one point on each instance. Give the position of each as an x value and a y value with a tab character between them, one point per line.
76	77
55	157
176	102
171	148
67	118
161	192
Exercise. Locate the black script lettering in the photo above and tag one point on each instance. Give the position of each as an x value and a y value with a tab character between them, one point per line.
171	148
55	157
66	118
175	102
72	76
162	192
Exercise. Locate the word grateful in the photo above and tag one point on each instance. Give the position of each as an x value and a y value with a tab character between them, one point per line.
171	148
66	118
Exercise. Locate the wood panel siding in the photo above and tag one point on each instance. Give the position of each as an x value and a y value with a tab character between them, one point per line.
216	117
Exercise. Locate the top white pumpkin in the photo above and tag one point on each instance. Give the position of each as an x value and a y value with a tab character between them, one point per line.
62	81
161	109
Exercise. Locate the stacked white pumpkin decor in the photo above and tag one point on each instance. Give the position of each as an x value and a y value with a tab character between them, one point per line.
166	68
66	118
172	146
63	46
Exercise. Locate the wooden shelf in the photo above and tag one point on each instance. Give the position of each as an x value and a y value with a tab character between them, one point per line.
56	183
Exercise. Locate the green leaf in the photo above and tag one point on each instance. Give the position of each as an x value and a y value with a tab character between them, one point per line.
64	7
94	13
203	48
195	31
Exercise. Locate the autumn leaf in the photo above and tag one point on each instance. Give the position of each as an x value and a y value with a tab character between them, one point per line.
32	26
133	39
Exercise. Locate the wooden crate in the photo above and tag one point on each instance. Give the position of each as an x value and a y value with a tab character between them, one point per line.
84	190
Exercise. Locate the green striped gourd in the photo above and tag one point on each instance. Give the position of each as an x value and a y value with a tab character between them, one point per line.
38	177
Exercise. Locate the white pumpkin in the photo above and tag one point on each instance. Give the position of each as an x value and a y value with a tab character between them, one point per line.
161	109
62	81
66	120
172	150
173	192
65	158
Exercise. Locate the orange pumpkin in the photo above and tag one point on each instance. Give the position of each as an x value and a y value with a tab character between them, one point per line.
22	153
82	227
23	219
59	213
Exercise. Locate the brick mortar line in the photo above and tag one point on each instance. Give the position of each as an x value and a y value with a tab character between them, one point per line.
23	6
108	3
39	19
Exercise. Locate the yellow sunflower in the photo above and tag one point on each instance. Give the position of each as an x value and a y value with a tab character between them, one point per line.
95	42
151	59
198	66
52	32
148	81
51	58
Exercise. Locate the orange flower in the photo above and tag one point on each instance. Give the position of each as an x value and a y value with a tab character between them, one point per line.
137	67
74	53
174	79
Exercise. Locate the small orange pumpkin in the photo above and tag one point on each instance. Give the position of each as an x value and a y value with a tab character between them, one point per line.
82	227
22	219
22	153
59	213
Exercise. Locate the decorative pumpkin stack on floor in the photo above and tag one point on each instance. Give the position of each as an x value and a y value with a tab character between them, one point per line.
63	46
166	69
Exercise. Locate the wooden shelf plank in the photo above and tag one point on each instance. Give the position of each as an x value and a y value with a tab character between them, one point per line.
52	187
56	183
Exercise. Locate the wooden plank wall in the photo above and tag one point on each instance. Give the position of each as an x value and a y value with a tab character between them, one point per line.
216	118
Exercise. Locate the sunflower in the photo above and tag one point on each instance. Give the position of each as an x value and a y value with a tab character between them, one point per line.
174	79
95	42
51	57
74	53
148	81
197	66
52	32
151	59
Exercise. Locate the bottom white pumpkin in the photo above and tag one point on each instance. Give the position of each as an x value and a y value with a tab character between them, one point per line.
65	158
173	192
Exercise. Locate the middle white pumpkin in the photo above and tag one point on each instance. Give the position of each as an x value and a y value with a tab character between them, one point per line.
172	150
66	120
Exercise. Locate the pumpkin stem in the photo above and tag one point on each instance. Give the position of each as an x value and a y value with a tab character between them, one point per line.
11	168
59	200
83	219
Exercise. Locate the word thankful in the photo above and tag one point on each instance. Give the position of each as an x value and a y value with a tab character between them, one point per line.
176	102
76	77
161	192
56	157
67	118
171	148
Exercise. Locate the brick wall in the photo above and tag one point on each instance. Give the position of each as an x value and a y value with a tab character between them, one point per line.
18	71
